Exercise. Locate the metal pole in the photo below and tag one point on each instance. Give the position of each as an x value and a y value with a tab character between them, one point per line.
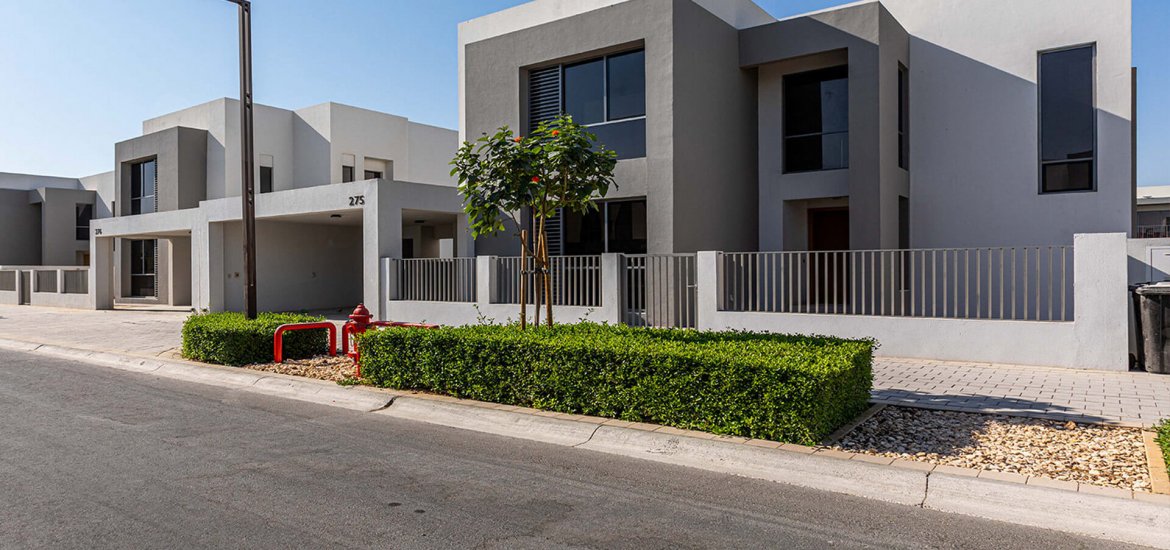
248	192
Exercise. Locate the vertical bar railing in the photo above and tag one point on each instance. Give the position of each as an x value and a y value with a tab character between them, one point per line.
576	280
1031	283
437	279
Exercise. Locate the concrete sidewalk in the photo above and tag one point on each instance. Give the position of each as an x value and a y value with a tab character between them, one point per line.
1044	392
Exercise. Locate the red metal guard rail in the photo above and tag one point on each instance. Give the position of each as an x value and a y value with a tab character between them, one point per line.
278	338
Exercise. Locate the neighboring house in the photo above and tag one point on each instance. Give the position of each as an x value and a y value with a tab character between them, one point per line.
1153	212
876	125
337	187
45	220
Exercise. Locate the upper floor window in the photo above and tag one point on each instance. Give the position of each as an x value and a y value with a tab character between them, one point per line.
265	179
373	174
903	117
143	181
607	94
1068	120
84	215
816	120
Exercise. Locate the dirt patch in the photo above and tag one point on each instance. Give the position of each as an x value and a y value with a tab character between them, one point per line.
334	369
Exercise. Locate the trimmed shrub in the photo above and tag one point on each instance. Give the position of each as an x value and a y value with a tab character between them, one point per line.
229	338
785	388
1163	440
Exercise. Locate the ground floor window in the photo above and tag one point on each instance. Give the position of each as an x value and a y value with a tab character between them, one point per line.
616	226
143	260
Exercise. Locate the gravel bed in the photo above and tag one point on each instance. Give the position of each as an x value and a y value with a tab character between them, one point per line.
1087	453
323	367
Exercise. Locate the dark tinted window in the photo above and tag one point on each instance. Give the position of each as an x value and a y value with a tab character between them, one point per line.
616	226
585	91
84	215
1068	128
626	80
816	120
373	175
265	179
142	267
346	174
583	233
627	137
626	226
903	117
143	179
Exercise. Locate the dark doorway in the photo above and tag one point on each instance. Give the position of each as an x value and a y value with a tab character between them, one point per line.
407	249
828	231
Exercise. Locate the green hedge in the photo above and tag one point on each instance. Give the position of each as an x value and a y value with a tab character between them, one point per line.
231	339
785	388
1164	440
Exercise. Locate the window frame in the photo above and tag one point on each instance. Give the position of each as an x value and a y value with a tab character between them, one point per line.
605	85
603	210
604	58
1040	162
80	229
784	137
271	179
140	264
136	170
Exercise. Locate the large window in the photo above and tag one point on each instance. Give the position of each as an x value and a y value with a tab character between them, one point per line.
607	94
143	256
616	226
1068	120
84	215
143	181
816	120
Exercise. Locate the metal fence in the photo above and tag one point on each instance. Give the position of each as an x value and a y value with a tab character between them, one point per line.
659	290
1020	283
1152	232
576	280
8	280
76	282
437	279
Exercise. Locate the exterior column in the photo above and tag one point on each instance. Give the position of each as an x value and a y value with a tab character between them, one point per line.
101	265
464	242
1100	301
611	288
486	292
381	238
706	290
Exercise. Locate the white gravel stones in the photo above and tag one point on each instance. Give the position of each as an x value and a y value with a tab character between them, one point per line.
1099	455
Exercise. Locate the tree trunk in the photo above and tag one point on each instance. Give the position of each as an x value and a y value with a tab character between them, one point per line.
547	282
537	286
523	279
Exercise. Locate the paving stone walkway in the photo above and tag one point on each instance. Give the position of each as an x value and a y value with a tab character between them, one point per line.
1129	398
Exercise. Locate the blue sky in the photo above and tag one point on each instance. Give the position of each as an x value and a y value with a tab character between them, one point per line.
76	76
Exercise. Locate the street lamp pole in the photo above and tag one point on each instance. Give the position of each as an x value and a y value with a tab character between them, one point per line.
248	194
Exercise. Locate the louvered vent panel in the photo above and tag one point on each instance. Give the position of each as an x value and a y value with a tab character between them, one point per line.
554	229
544	96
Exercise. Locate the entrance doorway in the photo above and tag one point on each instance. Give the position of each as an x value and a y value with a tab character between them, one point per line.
828	231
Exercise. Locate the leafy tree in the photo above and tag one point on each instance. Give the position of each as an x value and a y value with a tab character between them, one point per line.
561	166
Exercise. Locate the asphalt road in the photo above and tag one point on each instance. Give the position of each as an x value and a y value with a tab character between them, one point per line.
98	458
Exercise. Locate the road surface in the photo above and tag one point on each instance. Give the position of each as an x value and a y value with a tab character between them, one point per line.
98	458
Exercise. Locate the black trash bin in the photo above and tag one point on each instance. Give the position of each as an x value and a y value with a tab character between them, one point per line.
1154	331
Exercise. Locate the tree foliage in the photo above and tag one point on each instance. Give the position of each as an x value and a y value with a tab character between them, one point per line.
560	166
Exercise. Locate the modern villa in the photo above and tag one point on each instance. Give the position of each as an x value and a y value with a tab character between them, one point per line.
919	171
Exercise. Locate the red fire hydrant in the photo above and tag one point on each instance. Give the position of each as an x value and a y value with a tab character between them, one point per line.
358	322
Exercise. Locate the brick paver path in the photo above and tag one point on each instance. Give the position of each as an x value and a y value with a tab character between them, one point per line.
1062	394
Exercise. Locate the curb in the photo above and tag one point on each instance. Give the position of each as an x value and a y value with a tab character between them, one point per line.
1105	513
277	385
